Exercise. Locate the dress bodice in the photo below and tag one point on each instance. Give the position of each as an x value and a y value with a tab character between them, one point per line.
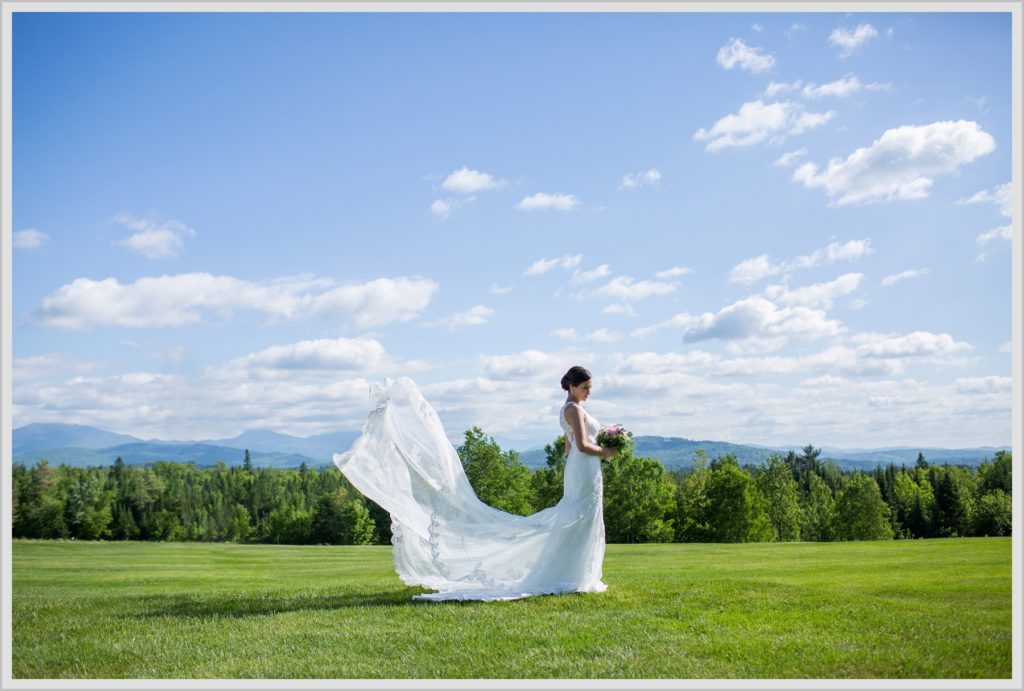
591	425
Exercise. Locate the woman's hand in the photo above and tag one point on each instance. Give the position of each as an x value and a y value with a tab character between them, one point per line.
608	452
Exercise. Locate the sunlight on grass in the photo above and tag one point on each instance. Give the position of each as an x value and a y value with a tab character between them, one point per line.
889	609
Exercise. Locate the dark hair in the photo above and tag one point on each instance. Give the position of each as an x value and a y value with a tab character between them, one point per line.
575	376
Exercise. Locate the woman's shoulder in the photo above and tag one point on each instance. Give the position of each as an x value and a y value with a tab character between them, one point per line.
574	406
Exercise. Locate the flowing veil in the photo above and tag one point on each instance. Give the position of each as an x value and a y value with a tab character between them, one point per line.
448	540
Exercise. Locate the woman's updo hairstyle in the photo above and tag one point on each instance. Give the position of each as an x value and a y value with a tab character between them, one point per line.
575	376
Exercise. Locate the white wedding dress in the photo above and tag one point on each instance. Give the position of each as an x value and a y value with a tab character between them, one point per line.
444	537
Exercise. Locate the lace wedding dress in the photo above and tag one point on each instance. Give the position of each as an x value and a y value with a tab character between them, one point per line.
444	537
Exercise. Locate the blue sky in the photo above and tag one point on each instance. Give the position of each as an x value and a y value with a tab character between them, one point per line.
754	227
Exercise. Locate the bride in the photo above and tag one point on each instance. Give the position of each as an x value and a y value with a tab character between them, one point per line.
445	538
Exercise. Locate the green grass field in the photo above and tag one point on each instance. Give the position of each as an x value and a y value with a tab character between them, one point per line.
890	609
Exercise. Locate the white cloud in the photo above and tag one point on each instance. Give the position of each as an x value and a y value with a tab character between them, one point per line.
816	295
1000	196
152	240
29	239
182	299
295	361
619	308
909	273
841	88
790	158
679	321
467	181
1006	347
852	249
832	359
1003	198
879	355
984	385
850	41
326	354
757	121
794	29
516	397
33	367
441	208
757	27
736	53
604	335
916	344
532	364
755	268
993	235
592	275
625	288
999	233
846	86
501	290
218	402
775	88
806	121
673	272
632	180
758	318
755	345
566	334
901	163
542	201
477	315
567	261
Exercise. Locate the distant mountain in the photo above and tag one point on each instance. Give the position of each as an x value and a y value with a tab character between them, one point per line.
43	435
676	452
79	445
142	453
321	446
907	455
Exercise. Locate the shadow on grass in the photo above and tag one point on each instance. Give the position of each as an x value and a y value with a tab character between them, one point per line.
205	606
261	604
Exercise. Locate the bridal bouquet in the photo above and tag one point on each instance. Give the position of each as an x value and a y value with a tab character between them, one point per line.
615	436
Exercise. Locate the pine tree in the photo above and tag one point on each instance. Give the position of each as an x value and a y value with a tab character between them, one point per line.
808	466
951	512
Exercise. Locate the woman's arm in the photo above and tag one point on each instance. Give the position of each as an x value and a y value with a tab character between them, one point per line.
575	420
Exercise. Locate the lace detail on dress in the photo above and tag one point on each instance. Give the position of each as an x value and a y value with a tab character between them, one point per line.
435	550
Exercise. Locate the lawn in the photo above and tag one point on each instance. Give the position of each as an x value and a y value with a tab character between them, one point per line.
889	609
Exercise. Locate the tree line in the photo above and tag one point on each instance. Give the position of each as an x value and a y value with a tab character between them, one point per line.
789	498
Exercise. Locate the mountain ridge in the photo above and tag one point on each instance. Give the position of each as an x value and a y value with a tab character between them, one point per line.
81	445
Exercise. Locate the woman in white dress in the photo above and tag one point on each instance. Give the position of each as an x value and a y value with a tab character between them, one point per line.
445	538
